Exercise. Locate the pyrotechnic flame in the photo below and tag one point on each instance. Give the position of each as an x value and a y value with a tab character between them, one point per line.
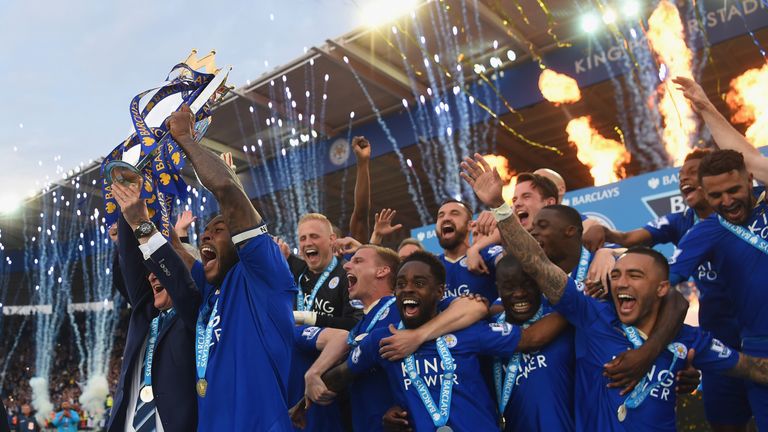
558	88
606	158
508	175
747	98
665	34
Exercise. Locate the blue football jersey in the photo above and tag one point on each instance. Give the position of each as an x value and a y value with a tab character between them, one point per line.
459	280
596	404
472	407
252	342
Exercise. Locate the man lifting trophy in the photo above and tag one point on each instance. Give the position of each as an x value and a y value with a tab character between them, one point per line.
150	153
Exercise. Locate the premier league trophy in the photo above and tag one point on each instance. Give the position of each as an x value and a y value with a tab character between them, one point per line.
150	152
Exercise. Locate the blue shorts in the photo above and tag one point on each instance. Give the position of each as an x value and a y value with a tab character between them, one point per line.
725	399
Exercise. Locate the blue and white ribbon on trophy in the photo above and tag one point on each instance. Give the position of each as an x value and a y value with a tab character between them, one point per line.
160	157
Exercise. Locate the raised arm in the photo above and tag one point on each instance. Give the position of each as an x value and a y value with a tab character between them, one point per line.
159	256
487	185
460	314
724	134
131	264
237	210
359	222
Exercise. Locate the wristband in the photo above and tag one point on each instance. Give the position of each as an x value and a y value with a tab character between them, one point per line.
502	212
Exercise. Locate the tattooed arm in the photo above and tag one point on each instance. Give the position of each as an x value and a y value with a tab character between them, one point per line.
487	185
751	368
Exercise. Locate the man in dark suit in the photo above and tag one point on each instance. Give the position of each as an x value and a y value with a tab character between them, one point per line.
156	391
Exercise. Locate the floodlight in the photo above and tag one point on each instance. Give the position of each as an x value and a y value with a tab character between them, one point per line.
590	23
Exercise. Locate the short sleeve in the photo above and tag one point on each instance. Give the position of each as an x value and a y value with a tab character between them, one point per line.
490	255
365	355
711	354
305	338
261	259
662	230
497	339
693	249
579	309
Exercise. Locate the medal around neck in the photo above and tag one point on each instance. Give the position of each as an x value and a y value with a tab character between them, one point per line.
621	413
150	153
202	387
146	394
444	429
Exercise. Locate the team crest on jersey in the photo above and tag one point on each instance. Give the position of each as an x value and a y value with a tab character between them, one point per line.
310	332
680	350
334	282
504	328
463	262
356	355
579	286
720	348
450	340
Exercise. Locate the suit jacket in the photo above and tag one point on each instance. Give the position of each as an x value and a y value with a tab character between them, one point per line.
173	366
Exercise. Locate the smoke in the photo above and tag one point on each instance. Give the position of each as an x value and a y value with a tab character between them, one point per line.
41	401
94	395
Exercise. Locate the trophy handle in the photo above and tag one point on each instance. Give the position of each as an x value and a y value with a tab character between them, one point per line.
114	170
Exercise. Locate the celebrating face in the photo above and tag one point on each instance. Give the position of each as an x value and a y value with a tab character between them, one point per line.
550	231
362	270
527	201
519	294
637	286
417	292
315	240
690	188
730	195
452	225
217	251
162	298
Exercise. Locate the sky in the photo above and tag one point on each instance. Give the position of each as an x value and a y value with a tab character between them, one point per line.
70	69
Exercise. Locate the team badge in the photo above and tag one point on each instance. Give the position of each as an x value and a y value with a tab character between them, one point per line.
463	262
339	152
495	250
680	350
334	282
450	340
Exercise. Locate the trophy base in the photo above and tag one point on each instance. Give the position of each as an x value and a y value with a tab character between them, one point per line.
121	172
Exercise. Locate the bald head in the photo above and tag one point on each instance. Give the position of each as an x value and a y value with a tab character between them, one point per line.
556	178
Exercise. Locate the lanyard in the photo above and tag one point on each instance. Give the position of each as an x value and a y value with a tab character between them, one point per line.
203	340
306	304
154	330
581	271
504	389
352	335
753	240
439	415
642	389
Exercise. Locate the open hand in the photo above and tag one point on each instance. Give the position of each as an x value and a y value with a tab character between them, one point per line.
693	92
128	197
383	223
485	181
401	344
628	368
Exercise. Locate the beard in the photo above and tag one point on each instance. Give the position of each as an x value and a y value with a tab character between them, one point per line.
452	243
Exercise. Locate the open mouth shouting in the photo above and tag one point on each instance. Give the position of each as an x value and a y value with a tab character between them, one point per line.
410	307
312	254
523	216
627	303
447	230
209	257
734	213
687	190
352	279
